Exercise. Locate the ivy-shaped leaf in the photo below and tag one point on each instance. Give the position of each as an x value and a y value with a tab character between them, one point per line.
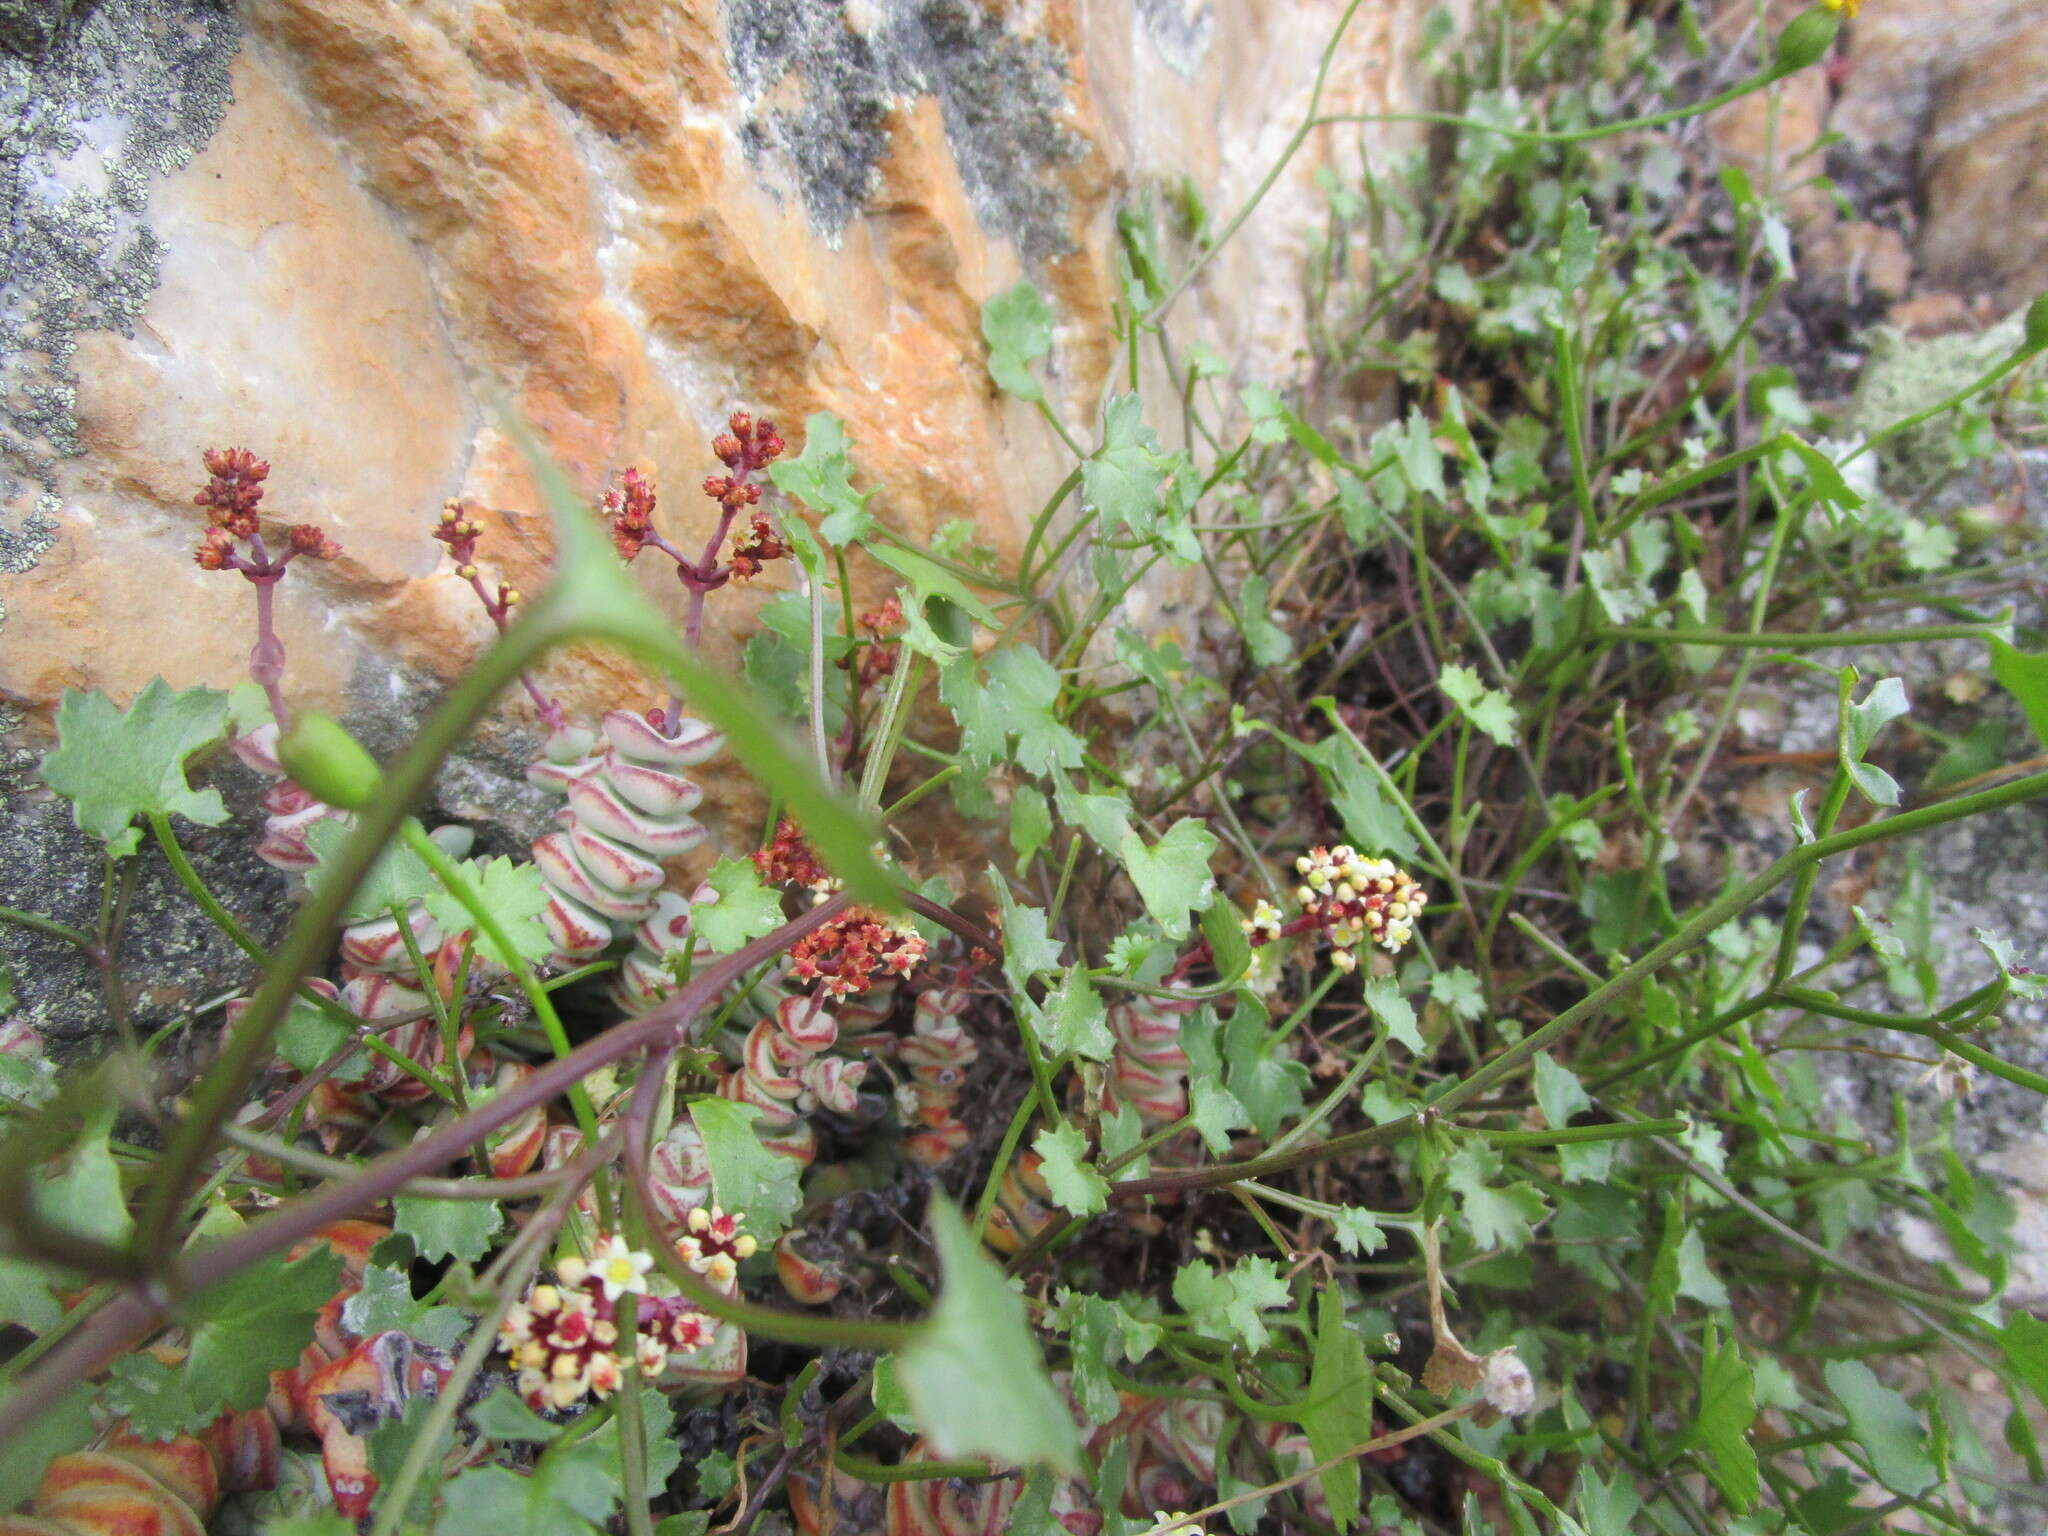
398	878
1173	874
384	1303
1491	712
1861	724
1727	1409
1885	1426
1271	1086
1265	642
2025	677
1374	822
1395	1013
1075	1185
1228	1305
156	1399
1577	248
756	1185
1357	1230
256	1322
1017	325
1499	1217
1121	482
115	765
745	909
818	477
1337	1412
447	1229
514	894
1073	1019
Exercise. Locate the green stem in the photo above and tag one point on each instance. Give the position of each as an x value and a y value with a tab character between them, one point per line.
888	729
197	889
1573	1135
1818	1002
1794	640
632	1425
56	930
1564	136
1019	1118
248	1046
1692	932
1308	125
914	1471
458	885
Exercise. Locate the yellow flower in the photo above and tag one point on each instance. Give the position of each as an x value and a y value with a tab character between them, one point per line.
1846	8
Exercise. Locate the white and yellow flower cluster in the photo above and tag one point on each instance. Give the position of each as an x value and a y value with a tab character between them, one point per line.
563	1338
1359	900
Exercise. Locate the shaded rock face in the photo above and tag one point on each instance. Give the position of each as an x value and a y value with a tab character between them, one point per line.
1959	92
1939	115
347	234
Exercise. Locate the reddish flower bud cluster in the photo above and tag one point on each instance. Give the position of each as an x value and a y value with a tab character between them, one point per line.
234	489
730	492
855	952
878	656
789	860
311	539
461	532
630	511
231	495
751	445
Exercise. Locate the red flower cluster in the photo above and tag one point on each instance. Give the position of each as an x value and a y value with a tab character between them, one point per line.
756	544
789	860
630	511
856	952
233	491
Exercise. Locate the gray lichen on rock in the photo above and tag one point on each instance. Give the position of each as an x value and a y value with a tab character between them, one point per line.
93	105
1002	97
1179	29
1904	377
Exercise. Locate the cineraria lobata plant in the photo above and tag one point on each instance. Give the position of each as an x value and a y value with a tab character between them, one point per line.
515	1177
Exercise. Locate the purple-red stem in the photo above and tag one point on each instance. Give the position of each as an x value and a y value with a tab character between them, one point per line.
130	1316
550	712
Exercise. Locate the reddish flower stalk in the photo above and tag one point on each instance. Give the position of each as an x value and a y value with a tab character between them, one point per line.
231	495
461	533
749	447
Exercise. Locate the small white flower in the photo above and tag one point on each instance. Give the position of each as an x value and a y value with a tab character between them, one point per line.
619	1268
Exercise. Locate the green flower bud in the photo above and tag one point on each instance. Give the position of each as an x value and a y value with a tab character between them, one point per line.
1804	41
2037	325
320	756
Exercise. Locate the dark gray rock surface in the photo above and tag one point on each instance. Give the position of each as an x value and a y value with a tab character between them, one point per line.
1003	99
